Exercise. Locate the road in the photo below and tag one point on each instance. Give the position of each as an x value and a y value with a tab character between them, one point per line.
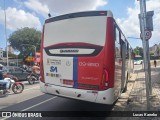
53	103
33	100
30	91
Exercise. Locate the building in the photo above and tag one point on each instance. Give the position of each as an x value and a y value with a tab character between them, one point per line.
10	49
1	53
155	51
152	49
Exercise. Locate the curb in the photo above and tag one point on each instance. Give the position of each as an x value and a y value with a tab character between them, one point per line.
123	100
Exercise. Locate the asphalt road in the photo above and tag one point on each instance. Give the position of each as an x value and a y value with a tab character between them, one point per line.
30	91
46	102
33	100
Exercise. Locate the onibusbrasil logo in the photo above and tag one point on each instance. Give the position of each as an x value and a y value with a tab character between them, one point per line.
20	114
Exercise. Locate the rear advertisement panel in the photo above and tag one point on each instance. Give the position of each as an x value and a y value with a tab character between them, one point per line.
89	71
72	71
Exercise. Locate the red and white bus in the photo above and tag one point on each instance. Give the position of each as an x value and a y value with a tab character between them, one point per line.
85	56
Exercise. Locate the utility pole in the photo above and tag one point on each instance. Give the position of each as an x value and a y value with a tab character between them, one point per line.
6	31
145	48
149	69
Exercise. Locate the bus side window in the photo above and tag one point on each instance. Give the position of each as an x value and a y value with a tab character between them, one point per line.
117	43
122	42
130	52
127	50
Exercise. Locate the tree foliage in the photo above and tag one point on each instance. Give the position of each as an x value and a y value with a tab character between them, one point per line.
138	51
29	36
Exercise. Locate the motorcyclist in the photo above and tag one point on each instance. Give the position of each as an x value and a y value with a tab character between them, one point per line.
3	81
36	69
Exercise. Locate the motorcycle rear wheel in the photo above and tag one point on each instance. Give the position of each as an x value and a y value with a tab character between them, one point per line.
18	88
31	80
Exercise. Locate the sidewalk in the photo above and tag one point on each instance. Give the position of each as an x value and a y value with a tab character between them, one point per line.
137	98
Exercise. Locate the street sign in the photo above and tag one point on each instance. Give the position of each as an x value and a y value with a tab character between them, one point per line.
147	34
149	20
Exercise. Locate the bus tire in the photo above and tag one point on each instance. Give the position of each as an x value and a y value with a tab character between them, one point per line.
125	88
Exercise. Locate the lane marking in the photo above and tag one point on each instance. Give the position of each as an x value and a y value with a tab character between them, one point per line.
32	106
39	103
22	100
30	88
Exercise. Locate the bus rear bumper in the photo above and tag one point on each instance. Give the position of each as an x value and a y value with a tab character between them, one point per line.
102	97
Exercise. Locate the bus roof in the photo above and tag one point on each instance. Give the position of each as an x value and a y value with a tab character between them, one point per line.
80	14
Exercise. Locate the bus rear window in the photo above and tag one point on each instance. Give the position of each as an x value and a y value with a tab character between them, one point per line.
91	30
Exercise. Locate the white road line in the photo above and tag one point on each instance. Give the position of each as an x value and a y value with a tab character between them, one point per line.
33	106
39	103
30	88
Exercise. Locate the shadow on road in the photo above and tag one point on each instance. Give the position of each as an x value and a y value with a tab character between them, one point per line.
26	83
77	105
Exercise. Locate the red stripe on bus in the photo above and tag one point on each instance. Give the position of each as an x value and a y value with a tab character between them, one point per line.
109	51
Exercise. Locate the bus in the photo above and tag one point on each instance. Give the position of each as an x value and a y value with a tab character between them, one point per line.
138	60
85	56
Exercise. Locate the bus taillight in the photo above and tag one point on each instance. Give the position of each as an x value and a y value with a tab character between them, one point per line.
106	75
105	79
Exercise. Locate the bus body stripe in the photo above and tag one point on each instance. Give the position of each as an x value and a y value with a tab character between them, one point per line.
75	72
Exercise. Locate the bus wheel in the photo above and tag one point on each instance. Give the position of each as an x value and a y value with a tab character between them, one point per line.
125	88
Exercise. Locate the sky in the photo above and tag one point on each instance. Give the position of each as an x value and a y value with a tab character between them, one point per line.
32	13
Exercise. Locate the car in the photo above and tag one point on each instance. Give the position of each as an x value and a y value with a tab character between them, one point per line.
17	72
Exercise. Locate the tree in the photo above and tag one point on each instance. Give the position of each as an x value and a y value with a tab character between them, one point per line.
25	36
138	51
151	54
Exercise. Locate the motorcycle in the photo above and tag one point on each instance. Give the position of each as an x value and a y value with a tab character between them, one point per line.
17	87
32	78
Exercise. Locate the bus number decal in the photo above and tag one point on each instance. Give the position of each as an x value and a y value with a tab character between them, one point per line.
53	69
53	75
